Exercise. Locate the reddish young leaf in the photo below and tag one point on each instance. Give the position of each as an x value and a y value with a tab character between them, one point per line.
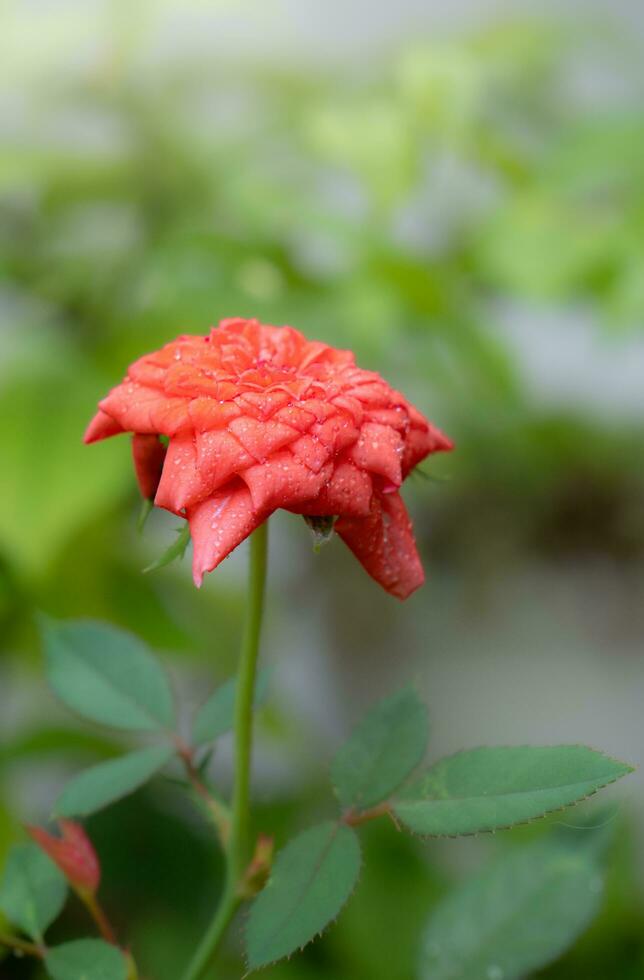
72	852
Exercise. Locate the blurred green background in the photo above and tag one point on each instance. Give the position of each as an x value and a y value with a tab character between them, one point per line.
461	201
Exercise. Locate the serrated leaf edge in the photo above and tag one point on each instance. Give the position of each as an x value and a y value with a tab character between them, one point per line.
413	688
254	969
628	769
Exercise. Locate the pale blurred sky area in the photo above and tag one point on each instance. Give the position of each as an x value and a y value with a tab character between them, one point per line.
44	41
44	34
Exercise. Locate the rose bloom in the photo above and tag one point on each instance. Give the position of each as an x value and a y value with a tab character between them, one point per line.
258	418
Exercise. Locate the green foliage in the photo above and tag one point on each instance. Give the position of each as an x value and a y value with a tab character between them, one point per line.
311	880
488	789
108	676
385	748
86	959
174	552
109	781
41	505
515	916
217	715
32	890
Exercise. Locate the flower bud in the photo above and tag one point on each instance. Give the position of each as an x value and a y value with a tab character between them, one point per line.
259	868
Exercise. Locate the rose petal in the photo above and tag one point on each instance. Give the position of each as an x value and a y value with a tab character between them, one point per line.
263	404
219	524
337	432
261	439
140	409
182	482
395	417
208	413
420	442
148	453
296	416
384	544
348	492
380	450
283	481
220	456
311	452
102	426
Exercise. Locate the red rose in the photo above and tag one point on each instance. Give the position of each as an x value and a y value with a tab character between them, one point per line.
259	418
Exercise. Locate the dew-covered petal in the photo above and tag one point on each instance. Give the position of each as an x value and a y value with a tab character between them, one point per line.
261	439
182	482
102	426
220	456
319	408
283	481
283	345
384	544
263	404
372	393
296	416
420	442
380	450
347	492
140	409
148	453
148	371
396	417
311	452
337	432
209	413
219	524
352	406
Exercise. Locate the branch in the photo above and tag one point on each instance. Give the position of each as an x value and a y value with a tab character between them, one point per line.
22	946
217	810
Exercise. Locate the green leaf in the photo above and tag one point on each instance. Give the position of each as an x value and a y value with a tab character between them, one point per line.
311	880
86	959
108	676
217	715
147	506
176	550
384	749
492	788
517	915
32	890
109	781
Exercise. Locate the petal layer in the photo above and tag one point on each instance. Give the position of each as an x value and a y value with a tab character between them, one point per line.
218	525
283	481
348	492
102	426
148	453
182	482
384	545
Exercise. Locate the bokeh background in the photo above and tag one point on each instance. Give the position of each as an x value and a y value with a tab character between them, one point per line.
455	191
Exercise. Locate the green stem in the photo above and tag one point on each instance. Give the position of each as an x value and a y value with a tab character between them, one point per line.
19	945
238	852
